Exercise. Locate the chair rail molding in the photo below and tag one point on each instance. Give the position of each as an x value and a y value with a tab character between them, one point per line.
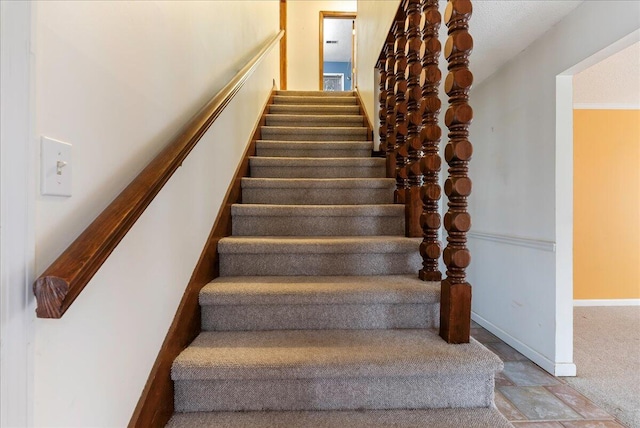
518	241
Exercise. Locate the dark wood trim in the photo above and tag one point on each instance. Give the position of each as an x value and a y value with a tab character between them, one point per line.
62	282
155	406
363	112
329	14
283	45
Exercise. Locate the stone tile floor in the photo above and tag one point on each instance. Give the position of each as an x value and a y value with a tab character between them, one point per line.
529	397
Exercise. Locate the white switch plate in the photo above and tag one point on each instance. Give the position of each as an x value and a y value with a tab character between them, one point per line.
55	167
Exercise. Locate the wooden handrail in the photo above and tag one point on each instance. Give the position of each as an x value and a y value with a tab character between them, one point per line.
64	280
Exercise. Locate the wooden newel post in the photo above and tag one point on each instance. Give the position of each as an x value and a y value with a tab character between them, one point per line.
400	111
430	135
455	309
411	169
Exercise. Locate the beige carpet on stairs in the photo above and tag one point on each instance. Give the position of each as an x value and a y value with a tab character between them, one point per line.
318	318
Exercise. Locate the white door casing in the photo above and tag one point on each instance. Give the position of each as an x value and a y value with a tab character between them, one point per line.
17	196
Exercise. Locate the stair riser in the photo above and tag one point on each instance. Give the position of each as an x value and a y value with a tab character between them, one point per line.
277	171
317	226
311	109
334	393
280	99
309	121
272	264
317	317
321	196
315	93
330	134
312	153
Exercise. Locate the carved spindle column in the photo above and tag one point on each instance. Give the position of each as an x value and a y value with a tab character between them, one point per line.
382	99
400	111
391	105
411	169
430	135
455	310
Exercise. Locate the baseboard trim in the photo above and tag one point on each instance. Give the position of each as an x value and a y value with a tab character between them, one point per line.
155	407
518	241
363	112
555	368
606	302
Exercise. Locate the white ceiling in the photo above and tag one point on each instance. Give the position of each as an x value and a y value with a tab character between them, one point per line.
502	29
337	29
614	80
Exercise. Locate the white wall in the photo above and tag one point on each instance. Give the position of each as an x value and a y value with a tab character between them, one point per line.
303	36
16	216
117	80
522	174
373	24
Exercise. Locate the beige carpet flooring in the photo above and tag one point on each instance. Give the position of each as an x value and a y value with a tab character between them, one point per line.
607	354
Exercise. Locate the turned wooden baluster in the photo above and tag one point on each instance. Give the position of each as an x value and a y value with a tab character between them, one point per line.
455	309
411	170
382	114
382	98
430	135
391	105
400	111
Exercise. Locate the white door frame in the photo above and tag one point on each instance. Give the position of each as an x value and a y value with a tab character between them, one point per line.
17	197
564	202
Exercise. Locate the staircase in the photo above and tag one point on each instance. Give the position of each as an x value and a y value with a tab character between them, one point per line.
318	318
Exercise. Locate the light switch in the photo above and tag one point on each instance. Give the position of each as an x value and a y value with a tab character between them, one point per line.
55	168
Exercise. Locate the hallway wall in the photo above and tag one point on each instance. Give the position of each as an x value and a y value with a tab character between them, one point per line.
117	80
303	38
373	24
521	236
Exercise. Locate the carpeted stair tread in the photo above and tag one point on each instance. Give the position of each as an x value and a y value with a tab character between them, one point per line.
320	290
314	120
314	133
314	191
304	354
315	162
318	183
428	418
316	149
295	93
379	210
319	302
317	220
314	99
318	245
319	255
304	167
314	109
